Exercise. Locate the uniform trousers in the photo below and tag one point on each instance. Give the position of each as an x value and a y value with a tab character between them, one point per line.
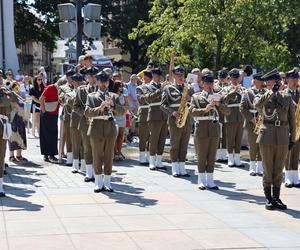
158	135
2	155
179	138
273	157
234	132
222	140
68	135
144	134
87	148
76	143
254	151
293	157
206	153
103	150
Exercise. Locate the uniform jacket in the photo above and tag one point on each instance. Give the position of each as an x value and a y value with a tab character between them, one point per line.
153	98
142	92
281	105
206	128
172	96
102	128
63	91
247	108
232	97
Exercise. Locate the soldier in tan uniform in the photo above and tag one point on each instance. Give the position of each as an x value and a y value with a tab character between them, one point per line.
100	108
179	137
78	79
276	137
291	164
251	114
218	87
205	108
144	131
7	100
79	108
157	121
62	94
234	121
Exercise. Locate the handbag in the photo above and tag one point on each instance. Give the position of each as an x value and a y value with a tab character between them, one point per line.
51	106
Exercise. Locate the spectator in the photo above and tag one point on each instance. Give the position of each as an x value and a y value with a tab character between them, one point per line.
9	77
44	75
196	86
27	84
17	141
20	76
35	93
88	61
117	76
49	105
108	71
133	102
120	121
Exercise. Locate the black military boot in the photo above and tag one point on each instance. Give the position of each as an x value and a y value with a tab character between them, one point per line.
269	202
276	201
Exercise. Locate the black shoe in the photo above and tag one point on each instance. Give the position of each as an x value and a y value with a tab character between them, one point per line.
202	188
269	205
297	185
276	200
53	159
213	188
144	163
161	168
107	189
219	161
176	175
4	172
252	174
240	166
153	168
74	171
87	179
2	194
288	185
68	164
98	190
46	158
231	166
5	165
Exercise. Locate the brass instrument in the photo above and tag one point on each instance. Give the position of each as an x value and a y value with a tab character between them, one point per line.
183	109
297	115
258	123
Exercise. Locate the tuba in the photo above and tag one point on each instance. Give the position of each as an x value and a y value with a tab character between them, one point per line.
297	115
183	109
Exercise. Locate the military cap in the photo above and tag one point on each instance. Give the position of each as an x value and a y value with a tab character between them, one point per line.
151	63
258	76
223	73
179	70
292	74
102	76
92	71
234	73
77	77
148	74
70	72
208	78
271	75
157	71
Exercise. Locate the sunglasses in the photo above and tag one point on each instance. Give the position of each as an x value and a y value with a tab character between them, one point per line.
40	79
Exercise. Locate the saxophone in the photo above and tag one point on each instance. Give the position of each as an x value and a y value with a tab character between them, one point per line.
183	108
297	115
258	123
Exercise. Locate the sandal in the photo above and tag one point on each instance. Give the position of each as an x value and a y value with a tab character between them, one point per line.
12	159
116	158
21	158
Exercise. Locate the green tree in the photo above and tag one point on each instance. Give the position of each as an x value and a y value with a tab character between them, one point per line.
217	33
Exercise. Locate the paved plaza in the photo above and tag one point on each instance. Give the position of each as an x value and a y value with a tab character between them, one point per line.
48	207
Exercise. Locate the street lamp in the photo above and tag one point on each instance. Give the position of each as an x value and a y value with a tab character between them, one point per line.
73	23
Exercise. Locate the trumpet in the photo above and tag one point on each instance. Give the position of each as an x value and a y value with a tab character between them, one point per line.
12	90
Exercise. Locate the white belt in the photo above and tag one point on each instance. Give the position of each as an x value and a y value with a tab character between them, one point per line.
3	117
144	106
234	105
175	105
206	118
155	104
102	117
253	111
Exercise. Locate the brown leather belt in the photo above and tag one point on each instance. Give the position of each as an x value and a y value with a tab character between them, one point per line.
276	123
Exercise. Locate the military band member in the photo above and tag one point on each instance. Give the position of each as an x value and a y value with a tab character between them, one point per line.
179	137
78	80
276	137
234	121
62	94
7	100
101	106
291	165
205	109
218	87
79	108
251	115
144	131
157	121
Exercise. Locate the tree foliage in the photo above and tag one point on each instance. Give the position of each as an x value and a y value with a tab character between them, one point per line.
217	33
